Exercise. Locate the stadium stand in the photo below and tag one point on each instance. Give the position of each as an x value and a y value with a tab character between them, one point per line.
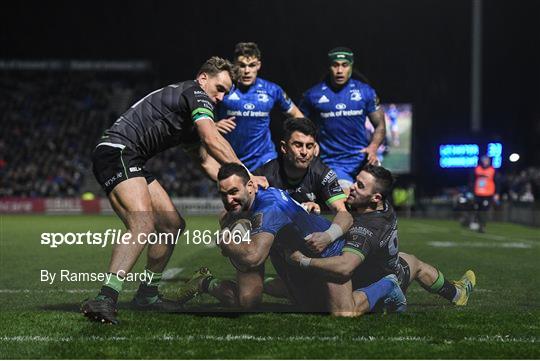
51	120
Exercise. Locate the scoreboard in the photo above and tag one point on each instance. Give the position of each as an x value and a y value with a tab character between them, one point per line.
468	155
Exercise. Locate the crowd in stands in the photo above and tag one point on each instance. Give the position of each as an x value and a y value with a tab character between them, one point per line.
51	121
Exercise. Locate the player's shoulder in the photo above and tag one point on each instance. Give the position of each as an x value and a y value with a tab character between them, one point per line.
266	85
268	197
316	89
363	87
268	169
319	169
359	84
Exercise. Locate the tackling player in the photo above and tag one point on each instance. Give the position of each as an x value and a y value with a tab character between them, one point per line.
245	112
339	106
178	114
279	223
371	249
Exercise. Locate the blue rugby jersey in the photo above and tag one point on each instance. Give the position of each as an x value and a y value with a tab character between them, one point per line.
273	209
341	120
251	139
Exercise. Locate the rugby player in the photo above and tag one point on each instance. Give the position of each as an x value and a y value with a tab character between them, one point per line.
178	114
279	223
307	180
371	248
339	106
245	111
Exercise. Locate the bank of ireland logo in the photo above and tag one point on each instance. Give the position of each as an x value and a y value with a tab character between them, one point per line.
340	106
249	106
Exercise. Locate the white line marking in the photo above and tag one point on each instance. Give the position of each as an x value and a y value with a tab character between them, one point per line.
57	290
171	273
244	337
465	244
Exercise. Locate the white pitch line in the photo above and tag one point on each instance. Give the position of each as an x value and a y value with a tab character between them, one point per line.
449	244
53	290
171	273
254	338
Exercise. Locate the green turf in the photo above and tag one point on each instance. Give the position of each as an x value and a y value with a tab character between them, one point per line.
502	319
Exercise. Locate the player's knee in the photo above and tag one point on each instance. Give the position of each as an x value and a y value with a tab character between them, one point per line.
249	300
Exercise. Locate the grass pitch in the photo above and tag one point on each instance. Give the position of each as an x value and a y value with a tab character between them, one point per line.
502	319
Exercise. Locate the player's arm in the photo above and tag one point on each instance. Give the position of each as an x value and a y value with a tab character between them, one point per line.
216	146
208	163
339	268
252	254
295	112
376	118
335	199
219	150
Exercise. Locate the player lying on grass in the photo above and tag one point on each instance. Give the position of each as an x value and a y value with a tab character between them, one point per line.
371	248
305	177
280	223
178	114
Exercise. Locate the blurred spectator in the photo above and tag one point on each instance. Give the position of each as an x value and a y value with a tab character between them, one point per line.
52	120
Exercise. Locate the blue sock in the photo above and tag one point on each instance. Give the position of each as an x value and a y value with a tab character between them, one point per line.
376	291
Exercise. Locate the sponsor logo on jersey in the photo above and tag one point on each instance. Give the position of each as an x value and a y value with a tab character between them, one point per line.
356	95
199	92
360	231
263	97
329	177
342	113
249	106
323	99
234	96
311	196
341	106
134	169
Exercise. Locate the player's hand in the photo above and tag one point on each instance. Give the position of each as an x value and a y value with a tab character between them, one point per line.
371	155
226	125
312	207
293	258
260	181
318	241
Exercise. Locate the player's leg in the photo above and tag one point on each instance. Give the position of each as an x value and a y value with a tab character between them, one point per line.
275	287
131	201
203	281
342	302
250	288
168	225
433	280
346	303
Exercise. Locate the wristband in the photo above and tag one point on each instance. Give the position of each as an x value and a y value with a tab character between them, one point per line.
334	231
305	262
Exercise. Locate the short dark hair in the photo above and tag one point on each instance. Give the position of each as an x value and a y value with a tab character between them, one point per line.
229	169
384	180
249	50
302	125
216	65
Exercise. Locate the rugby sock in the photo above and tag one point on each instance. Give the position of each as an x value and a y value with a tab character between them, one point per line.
112	287
150	289
376	291
443	288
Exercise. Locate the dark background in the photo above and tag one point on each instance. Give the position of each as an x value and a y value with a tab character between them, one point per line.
411	51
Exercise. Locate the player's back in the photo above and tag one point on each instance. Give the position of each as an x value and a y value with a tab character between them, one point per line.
162	119
374	235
